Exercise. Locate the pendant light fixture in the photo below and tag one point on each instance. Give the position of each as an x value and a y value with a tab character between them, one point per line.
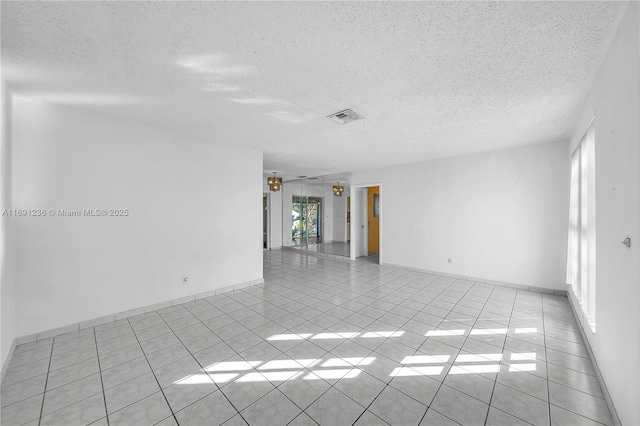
274	182
337	190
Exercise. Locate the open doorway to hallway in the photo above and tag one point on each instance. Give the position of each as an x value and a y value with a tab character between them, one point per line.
365	222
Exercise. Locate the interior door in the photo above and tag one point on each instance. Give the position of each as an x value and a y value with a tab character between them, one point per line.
373	220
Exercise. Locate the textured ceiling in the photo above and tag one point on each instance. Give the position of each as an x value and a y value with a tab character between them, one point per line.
430	79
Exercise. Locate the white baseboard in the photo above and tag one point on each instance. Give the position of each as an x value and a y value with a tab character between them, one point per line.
5	365
484	280
126	314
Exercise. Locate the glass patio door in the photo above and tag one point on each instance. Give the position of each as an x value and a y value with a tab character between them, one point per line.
306	220
299	220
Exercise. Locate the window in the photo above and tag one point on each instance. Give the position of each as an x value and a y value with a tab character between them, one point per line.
581	254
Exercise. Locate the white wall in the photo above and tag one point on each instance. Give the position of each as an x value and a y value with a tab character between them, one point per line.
7	284
500	215
195	211
614	98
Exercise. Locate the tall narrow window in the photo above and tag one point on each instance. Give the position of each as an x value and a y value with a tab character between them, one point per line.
581	255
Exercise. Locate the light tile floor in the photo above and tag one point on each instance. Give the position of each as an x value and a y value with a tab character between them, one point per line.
326	342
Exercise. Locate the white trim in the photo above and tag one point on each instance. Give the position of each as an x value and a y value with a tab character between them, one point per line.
352	250
5	366
268	207
486	281
126	314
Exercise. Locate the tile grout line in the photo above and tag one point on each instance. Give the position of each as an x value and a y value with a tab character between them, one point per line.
44	392
202	369
104	396
565	385
237	353
546	360
154	376
504	344
332	386
290	329
416	350
459	349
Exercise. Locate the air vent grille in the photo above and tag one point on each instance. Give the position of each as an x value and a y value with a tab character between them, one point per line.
345	116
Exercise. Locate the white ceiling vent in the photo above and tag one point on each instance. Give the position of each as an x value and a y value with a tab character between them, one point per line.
345	116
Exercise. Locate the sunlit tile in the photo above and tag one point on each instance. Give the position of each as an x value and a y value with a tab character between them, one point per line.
347	362
272	376
435	333
232	366
279	364
425	359
196	379
378	334
223	377
289	336
478	357
416	371
482	331
475	368
526	330
333	374
347	335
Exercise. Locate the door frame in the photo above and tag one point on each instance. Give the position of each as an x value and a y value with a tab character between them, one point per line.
361	238
319	218
268	197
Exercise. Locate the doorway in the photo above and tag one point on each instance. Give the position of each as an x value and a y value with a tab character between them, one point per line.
366	222
373	220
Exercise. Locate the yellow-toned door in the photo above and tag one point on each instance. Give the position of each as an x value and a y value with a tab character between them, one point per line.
373	205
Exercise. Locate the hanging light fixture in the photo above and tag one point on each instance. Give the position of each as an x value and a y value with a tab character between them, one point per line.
337	190
274	182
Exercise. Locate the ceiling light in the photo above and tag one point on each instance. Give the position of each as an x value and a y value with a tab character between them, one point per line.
274	182
337	190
